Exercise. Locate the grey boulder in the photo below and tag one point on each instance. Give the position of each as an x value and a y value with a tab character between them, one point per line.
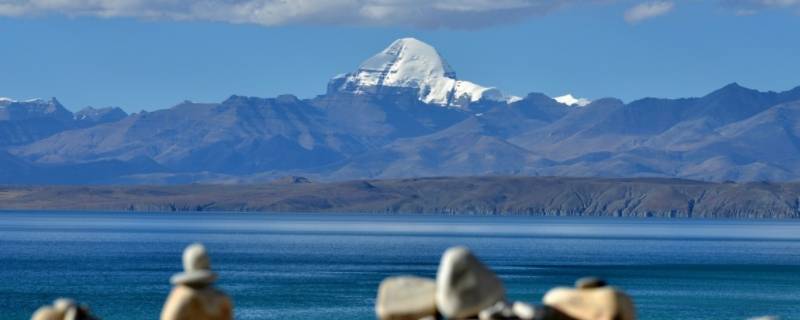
464	285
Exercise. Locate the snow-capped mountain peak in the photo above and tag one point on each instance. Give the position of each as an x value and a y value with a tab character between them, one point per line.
6	101
410	64
570	100
406	62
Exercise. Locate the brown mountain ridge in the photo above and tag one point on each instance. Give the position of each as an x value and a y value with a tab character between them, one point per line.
544	196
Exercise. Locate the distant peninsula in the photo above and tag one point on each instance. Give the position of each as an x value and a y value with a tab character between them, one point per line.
494	195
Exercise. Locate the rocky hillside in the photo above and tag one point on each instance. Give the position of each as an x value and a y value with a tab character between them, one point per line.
642	197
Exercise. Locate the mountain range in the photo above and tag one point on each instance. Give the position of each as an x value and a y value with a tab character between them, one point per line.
405	113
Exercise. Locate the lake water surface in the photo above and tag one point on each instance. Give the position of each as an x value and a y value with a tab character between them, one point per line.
328	266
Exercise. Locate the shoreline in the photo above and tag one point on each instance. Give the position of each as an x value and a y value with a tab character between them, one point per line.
481	196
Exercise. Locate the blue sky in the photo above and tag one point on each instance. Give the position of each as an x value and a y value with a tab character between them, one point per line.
151	58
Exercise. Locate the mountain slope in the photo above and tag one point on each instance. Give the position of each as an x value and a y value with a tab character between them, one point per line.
468	148
404	113
27	121
239	135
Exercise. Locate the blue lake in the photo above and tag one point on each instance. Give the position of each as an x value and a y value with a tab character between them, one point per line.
303	266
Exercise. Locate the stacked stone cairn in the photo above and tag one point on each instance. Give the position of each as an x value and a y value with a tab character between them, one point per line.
194	297
466	289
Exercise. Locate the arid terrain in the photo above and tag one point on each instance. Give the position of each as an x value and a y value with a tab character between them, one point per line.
551	196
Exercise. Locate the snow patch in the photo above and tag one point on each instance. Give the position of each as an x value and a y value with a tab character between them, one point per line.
570	100
9	100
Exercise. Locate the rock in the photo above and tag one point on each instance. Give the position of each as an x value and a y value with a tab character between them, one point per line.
464	286
504	311
590	282
188	303
406	298
523	310
193	297
498	311
196	267
591	302
63	309
47	313
64	304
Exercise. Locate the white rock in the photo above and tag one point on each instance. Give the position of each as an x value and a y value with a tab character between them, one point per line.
505	311
464	286
406	298
523	310
499	311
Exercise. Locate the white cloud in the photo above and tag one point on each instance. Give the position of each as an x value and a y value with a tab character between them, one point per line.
458	14
648	10
417	13
750	7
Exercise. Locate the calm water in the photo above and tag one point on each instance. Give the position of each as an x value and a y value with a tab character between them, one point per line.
278	266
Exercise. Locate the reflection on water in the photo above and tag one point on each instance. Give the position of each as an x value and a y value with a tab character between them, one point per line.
300	266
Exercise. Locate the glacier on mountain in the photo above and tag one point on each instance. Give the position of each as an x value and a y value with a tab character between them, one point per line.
570	100
412	64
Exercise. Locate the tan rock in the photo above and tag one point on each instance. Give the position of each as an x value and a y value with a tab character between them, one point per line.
406	298
63	309
464	285
193	297
205	303
47	313
596	303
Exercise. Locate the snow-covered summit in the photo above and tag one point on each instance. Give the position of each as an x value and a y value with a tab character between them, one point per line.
412	64
34	100
570	100
5	101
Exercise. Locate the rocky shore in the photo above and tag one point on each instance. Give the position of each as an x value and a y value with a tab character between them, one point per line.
464	288
544	196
